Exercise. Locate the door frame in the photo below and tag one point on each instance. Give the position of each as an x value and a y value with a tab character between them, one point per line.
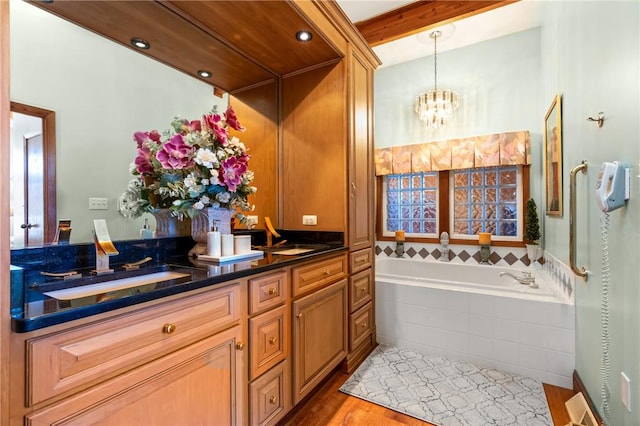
48	163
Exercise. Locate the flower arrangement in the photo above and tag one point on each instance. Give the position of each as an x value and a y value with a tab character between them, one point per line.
193	165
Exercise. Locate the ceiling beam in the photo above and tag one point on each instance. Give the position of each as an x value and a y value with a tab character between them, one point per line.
421	16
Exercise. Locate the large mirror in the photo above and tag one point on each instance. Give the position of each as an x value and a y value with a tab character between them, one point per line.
101	93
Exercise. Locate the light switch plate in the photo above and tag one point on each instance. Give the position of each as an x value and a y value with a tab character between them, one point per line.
252	220
98	204
309	219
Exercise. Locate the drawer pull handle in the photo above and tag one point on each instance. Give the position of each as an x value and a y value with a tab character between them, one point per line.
168	328
273	400
363	289
299	315
273	340
239	346
327	272
272	290
364	325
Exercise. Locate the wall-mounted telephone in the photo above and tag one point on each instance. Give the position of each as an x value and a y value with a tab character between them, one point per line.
612	188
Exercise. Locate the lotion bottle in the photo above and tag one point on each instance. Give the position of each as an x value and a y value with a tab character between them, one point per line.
213	241
145	232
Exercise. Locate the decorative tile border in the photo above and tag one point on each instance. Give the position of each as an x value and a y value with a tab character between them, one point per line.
560	274
556	271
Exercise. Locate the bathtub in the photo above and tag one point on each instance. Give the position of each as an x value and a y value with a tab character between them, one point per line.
470	313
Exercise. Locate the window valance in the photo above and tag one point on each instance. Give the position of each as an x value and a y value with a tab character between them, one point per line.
497	149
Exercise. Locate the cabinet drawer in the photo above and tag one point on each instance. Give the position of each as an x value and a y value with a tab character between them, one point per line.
360	289
360	326
267	291
315	275
269	342
270	395
360	260
90	354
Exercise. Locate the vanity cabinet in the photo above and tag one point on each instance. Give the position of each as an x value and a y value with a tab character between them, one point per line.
181	361
319	325
269	348
195	385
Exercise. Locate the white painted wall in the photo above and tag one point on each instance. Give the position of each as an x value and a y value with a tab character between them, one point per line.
101	93
592	58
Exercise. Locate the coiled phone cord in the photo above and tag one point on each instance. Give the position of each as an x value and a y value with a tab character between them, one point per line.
605	362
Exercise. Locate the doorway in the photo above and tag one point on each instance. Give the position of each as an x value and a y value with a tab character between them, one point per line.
33	177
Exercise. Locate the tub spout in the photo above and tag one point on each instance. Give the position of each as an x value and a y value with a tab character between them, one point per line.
400	248
526	277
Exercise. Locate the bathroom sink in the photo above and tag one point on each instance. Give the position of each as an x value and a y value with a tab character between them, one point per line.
105	287
294	249
97	289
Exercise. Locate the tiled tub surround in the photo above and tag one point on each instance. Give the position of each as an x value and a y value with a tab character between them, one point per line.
518	333
557	272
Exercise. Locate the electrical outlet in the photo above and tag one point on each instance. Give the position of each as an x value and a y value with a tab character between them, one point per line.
252	220
625	390
98	204
309	219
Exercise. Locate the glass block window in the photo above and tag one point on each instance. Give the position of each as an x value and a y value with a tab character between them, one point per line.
486	200
411	204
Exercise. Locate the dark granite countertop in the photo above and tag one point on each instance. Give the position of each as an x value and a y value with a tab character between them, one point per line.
37	310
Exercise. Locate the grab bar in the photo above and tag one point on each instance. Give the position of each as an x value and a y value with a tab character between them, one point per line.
581	272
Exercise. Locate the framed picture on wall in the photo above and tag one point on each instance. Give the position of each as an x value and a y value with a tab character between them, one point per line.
553	157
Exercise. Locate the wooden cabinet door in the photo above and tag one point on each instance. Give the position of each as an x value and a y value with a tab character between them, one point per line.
361	189
319	336
198	385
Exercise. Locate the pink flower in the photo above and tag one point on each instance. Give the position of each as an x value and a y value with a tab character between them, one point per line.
175	154
232	170
232	120
210	120
143	161
195	126
142	137
154	135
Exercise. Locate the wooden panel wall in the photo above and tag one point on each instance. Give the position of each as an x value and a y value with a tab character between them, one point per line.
314	147
257	110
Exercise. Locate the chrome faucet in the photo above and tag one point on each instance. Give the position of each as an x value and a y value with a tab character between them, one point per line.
444	241
526	277
399	248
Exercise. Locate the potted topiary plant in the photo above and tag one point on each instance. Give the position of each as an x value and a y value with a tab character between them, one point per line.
532	231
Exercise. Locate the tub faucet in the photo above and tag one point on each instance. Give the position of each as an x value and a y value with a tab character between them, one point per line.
444	242
526	277
400	248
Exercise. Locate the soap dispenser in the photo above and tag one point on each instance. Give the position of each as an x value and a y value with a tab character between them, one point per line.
145	232
213	241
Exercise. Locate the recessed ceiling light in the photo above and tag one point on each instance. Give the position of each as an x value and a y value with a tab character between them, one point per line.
204	73
304	36
140	43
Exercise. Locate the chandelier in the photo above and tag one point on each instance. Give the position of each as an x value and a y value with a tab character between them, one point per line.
436	106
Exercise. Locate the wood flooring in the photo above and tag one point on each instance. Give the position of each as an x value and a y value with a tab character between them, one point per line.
327	406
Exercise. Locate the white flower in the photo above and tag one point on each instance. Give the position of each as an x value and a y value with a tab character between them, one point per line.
205	199
221	154
177	202
236	142
223	197
190	181
207	158
204	181
214	175
198	205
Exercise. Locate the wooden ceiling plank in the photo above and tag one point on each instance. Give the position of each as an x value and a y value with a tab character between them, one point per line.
421	16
